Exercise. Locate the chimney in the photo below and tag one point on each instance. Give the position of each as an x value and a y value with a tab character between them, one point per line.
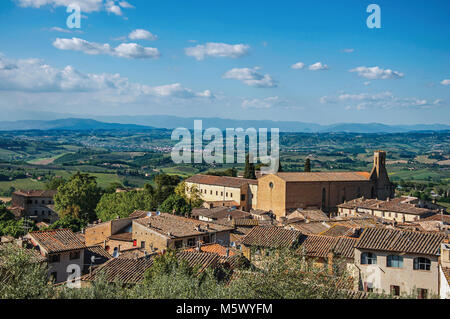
199	246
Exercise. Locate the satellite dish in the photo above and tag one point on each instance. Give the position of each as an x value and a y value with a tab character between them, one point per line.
158	213
149	214
92	259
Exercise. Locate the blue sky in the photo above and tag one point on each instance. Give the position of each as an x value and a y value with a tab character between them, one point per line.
231	59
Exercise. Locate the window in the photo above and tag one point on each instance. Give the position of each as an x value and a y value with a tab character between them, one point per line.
43	201
221	193
368	287
217	193
394	261
422	263
206	239
242	197
395	290
191	242
271	185
210	192
422	293
231	195
54	258
368	259
226	194
178	243
142	244
74	255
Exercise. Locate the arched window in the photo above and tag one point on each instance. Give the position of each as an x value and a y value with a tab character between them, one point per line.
394	261
422	263
368	259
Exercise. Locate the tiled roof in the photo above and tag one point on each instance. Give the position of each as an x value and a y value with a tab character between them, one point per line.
309	214
36	193
226	203
398	205
400	241
225	181
321	246
214	249
323	176
219	213
122	237
309	228
238	234
139	214
271	236
338	230
128	271
58	240
179	226
438	217
202	260
245	222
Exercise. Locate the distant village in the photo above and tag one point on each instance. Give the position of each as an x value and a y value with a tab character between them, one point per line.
352	220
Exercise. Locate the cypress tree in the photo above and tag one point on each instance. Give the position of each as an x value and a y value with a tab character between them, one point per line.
249	171
307	165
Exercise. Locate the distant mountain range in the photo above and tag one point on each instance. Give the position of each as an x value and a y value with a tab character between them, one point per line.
171	122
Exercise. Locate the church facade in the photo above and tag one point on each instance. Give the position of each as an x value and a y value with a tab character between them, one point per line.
284	192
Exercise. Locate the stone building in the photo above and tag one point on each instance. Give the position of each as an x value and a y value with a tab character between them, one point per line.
37	205
399	209
397	262
284	192
224	189
62	250
159	232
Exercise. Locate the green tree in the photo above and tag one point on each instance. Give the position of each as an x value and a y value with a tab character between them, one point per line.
190	194
307	165
164	186
175	204
54	183
249	171
123	204
78	197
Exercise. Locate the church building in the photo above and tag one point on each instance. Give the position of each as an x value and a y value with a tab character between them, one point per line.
284	192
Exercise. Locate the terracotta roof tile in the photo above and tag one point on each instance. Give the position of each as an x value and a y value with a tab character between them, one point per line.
271	236
400	241
58	240
179	226
36	193
214	249
226	181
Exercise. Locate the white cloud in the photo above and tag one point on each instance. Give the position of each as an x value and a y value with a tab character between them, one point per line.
123	50
384	100
298	66
87	6
58	29
251	77
373	73
33	76
445	82
217	50
112	7
318	66
348	50
141	34
265	103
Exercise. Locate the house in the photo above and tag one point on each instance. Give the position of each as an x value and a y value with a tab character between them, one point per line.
444	271
113	235
219	214
161	231
61	248
284	192
224	188
260	241
37	205
397	262
399	209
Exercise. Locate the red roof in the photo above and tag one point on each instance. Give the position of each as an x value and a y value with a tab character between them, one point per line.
226	181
